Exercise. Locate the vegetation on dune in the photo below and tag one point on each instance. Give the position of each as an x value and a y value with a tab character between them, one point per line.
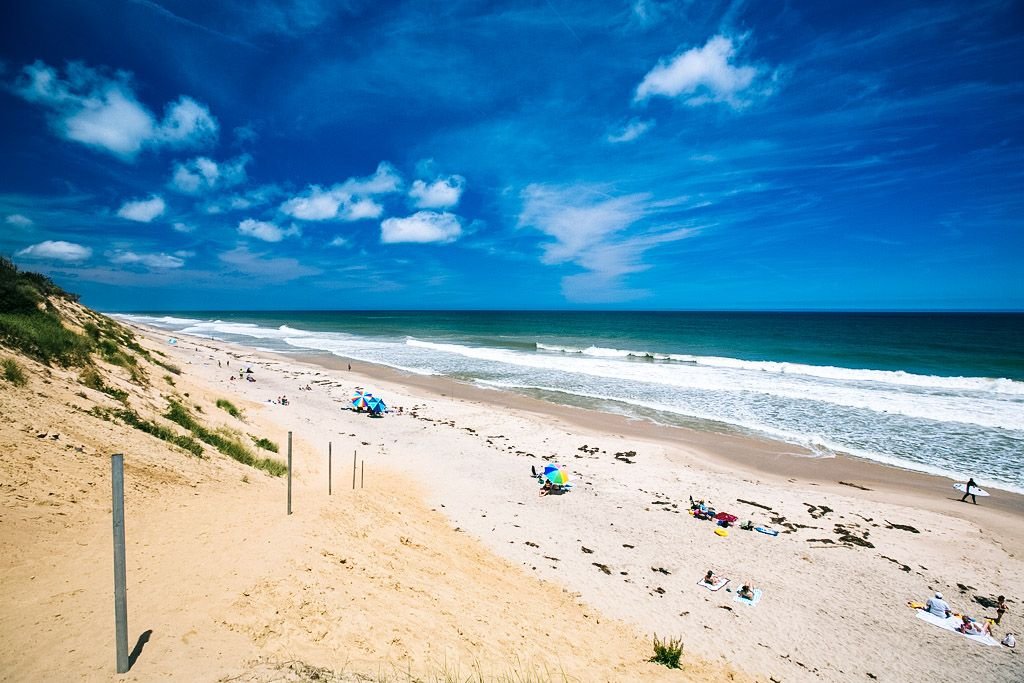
15	375
223	441
132	419
229	407
667	652
92	378
265	444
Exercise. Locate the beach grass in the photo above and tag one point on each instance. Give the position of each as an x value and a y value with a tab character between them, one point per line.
266	444
132	419
224	441
667	652
229	407
295	670
15	375
92	378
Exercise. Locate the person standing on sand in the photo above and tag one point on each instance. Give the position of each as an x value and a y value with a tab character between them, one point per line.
970	485
1000	608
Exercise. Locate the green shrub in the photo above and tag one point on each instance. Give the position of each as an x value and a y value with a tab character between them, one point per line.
223	442
229	407
132	419
92	378
41	336
169	367
265	444
169	380
667	652
14	374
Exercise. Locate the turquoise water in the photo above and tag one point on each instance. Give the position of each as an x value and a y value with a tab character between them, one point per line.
941	393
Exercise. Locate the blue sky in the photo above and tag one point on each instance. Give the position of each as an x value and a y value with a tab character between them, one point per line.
556	154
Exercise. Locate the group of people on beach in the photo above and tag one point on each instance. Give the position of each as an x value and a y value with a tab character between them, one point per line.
938	606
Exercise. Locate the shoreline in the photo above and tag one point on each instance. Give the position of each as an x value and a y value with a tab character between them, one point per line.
615	541
777	461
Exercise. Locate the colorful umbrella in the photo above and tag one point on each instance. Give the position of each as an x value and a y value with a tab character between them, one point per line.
556	476
361	400
376	405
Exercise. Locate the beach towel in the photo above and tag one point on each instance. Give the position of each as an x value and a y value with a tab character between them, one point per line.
714	586
951	623
754	601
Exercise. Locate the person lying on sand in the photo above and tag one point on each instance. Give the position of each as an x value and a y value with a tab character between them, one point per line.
969	627
746	592
546	488
938	606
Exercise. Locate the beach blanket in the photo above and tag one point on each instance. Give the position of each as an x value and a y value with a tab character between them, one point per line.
714	586
951	623
756	599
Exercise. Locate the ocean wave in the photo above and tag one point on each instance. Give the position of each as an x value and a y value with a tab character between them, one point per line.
895	377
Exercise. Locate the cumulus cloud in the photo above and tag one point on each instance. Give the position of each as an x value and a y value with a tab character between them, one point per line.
100	110
422	227
266	231
595	232
56	250
159	261
631	131
348	201
143	210
700	75
18	220
443	193
203	174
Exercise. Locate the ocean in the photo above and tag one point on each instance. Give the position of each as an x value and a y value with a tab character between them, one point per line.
934	392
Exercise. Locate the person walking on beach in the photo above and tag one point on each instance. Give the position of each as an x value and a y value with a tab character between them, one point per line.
970	485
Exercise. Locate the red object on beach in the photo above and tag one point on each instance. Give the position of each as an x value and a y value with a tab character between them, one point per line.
726	517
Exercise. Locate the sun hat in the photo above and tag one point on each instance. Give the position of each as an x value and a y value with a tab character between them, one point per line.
938	595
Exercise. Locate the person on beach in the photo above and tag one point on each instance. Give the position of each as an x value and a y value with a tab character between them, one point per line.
546	488
970	627
1000	608
746	592
970	485
710	578
938	606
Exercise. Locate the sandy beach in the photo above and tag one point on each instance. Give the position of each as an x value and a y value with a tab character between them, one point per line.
446	558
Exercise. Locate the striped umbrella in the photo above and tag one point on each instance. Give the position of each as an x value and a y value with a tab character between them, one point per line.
361	400
556	476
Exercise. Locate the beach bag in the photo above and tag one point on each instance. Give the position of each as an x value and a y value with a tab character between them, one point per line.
1009	640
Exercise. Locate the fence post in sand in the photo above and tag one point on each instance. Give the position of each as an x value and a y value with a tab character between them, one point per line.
289	473
362	473
328	468
353	470
120	593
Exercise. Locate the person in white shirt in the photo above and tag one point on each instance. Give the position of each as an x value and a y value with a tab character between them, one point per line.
938	606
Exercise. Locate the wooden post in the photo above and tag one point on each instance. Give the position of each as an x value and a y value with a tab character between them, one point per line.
328	468
362	473
120	593
289	473
353	470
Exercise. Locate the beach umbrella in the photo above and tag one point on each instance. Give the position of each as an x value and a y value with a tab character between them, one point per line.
726	517
377	405
556	476
549	468
361	400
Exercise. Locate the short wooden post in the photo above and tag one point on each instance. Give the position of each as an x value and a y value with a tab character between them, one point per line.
328	468
120	592
353	470
289	473
362	473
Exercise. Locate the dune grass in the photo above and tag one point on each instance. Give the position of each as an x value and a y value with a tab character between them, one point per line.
132	419
229	407
667	652
223	442
16	376
265	444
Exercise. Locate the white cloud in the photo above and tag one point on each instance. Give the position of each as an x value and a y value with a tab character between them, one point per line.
263	230
347	201
159	261
101	111
631	131
203	174
596	233
143	210
57	250
18	220
267	269
443	193
183	227
338	241
701	75
421	227
240	202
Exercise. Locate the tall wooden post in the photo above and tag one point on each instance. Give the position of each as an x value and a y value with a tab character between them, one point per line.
353	470
120	592
328	468
289	473
362	473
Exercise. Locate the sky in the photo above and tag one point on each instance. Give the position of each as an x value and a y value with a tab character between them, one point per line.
551	154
